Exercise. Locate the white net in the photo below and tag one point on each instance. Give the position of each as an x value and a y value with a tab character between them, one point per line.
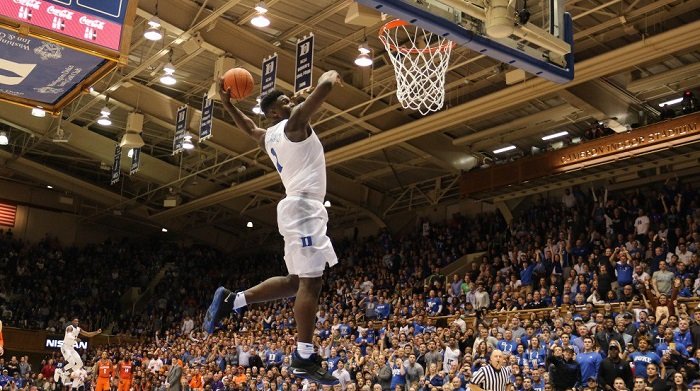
420	61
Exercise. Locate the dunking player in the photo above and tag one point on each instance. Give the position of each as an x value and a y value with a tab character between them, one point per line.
73	360
297	154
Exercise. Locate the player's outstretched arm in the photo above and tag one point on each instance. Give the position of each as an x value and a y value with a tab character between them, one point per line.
299	119
241	120
90	334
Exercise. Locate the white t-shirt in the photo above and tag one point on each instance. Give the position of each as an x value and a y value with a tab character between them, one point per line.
450	357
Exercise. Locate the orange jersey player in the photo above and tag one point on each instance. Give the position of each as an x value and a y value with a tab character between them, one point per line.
104	372
126	373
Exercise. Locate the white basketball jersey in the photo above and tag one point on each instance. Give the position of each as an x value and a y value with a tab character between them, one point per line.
71	337
301	165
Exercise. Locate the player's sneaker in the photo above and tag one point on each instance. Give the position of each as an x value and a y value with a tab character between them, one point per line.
221	305
311	369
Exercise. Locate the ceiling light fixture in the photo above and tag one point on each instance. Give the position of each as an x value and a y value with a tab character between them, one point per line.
49	187
256	109
104	116
153	32
327	204
363	59
168	77
38	112
505	149
250	224
3	138
671	102
260	20
163	230
555	135
187	143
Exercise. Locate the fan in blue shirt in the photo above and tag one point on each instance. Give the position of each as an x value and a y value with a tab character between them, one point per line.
643	357
507	345
333	360
589	360
383	309
433	304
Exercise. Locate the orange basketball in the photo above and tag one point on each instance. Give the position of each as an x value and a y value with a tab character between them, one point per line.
239	82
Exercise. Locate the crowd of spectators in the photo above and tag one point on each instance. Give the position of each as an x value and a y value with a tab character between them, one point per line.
588	291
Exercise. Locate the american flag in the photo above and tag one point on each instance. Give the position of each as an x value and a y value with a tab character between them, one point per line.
7	215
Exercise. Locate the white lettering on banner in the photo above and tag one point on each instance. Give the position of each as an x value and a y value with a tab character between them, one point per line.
36	4
14	40
61	13
58	343
94	23
21	70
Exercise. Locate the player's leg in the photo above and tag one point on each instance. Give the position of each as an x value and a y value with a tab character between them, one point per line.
224	300
305	362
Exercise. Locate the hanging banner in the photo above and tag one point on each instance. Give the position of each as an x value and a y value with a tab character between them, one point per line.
206	122
304	63
180	129
135	161
116	166
269	74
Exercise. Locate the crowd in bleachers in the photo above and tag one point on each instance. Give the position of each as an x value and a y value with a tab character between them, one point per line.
612	274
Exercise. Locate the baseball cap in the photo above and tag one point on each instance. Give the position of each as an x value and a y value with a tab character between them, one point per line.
591	378
614	344
577	317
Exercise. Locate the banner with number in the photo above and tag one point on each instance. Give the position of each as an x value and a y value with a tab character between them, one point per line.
116	165
304	63
180	129
269	74
135	161
206	122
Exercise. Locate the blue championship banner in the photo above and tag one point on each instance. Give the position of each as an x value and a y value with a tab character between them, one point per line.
206	122
39	70
180	129
116	165
304	63
135	161
269	74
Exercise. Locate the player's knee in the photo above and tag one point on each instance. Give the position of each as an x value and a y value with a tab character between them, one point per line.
312	285
293	281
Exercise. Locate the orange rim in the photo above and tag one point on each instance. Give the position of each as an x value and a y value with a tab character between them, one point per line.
399	23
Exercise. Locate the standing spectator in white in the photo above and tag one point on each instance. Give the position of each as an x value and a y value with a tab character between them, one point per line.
568	199
451	355
641	226
187	326
342	375
494	376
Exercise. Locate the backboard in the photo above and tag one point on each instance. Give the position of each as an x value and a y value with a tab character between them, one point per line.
541	43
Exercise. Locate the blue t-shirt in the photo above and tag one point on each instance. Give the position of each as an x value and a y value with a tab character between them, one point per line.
433	304
507	346
590	363
526	275
332	363
641	360
624	273
344	329
396	377
383	310
686	339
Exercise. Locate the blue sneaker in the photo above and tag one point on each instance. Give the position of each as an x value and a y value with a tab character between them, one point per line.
220	306
311	369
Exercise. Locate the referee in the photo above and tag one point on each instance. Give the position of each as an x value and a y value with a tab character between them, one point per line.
494	376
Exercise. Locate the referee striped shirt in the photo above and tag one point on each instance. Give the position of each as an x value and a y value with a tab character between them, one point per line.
491	379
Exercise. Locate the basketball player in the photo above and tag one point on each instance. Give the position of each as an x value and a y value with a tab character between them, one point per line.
73	360
125	370
297	154
103	371
2	341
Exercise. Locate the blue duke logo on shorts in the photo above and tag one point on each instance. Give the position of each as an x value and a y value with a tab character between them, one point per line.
306	241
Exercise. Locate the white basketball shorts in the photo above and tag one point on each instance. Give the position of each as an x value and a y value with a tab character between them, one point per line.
307	248
71	356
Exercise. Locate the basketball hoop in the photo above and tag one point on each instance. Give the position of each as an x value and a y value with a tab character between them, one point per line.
420	60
